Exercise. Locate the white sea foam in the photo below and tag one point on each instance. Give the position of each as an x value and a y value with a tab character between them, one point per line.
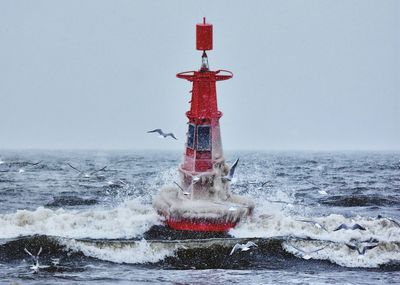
133	252
340	254
269	222
130	219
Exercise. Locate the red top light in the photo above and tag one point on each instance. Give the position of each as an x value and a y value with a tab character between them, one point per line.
204	36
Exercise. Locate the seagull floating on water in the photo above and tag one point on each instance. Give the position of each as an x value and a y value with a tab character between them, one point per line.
346	227
162	134
243	247
229	177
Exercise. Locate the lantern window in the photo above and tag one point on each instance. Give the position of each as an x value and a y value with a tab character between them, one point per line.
190	136
203	137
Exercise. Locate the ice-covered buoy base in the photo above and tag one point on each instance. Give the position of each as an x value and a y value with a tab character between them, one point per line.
183	212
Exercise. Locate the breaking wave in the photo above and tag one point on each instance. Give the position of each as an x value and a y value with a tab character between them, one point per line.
129	220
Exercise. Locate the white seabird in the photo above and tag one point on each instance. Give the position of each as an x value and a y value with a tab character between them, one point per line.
316	224
229	177
243	247
35	267
346	227
86	174
162	134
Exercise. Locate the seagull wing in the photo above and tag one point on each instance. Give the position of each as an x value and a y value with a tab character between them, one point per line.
34	163
122	182
367	247
352	246
27	251
371	240
171	135
341	227
39	252
314	223
264	183
195	179
233	168
312	183
250	243
179	186
296	248
74	168
394	222
319	249
307	221
237	246
101	169
157	131
357	227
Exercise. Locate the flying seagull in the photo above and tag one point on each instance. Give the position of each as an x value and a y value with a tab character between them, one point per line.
162	134
117	184
346	227
196	178
316	224
243	247
229	177
264	183
33	163
305	254
361	249
183	191
320	191
35	267
389	219
86	174
21	163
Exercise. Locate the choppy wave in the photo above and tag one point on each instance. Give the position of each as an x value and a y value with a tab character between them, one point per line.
272	253
268	223
135	252
291	191
130	219
79	232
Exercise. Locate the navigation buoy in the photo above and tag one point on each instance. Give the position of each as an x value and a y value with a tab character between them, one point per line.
203	201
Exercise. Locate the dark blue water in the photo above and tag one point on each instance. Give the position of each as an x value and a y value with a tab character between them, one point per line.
100	227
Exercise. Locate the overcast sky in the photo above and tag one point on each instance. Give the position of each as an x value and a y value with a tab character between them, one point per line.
308	75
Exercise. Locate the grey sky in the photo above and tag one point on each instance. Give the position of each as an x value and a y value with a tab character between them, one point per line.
320	75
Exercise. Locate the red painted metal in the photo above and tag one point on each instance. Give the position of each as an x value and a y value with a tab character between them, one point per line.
200	225
200	157
203	109
204	36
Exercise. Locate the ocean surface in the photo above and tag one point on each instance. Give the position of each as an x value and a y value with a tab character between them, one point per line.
96	225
